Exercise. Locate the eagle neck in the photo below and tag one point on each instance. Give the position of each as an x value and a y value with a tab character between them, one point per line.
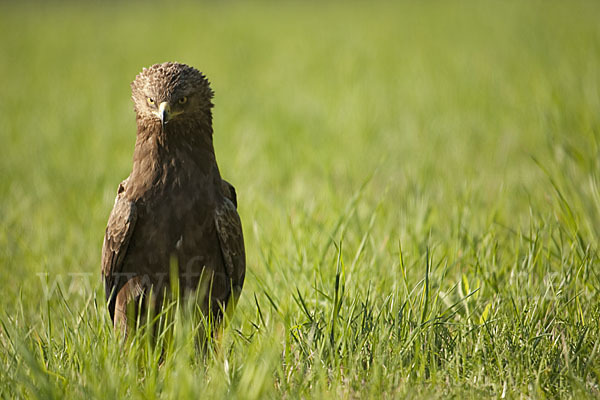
165	157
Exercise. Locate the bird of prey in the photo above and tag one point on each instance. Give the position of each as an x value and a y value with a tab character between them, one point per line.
174	208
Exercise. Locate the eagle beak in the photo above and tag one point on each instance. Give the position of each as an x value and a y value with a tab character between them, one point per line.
164	113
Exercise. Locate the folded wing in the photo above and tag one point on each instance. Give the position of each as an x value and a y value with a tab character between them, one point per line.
116	240
231	239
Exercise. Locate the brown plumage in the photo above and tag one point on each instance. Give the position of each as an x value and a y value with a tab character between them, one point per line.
174	208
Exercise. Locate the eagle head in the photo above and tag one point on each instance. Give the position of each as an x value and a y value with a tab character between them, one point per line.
171	92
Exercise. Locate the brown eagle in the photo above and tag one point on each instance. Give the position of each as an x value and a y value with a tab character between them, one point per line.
174	208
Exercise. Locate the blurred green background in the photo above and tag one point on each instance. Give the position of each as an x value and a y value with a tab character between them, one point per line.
451	126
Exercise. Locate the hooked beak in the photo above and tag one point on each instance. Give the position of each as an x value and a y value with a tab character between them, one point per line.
163	113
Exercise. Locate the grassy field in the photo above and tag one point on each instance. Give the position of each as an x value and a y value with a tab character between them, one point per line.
419	185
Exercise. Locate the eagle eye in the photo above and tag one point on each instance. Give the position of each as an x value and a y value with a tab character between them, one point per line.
182	100
150	101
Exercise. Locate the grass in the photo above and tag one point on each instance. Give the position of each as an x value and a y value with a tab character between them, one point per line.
418	183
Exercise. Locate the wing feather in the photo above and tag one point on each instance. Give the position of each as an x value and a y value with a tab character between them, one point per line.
229	228
229	191
116	240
